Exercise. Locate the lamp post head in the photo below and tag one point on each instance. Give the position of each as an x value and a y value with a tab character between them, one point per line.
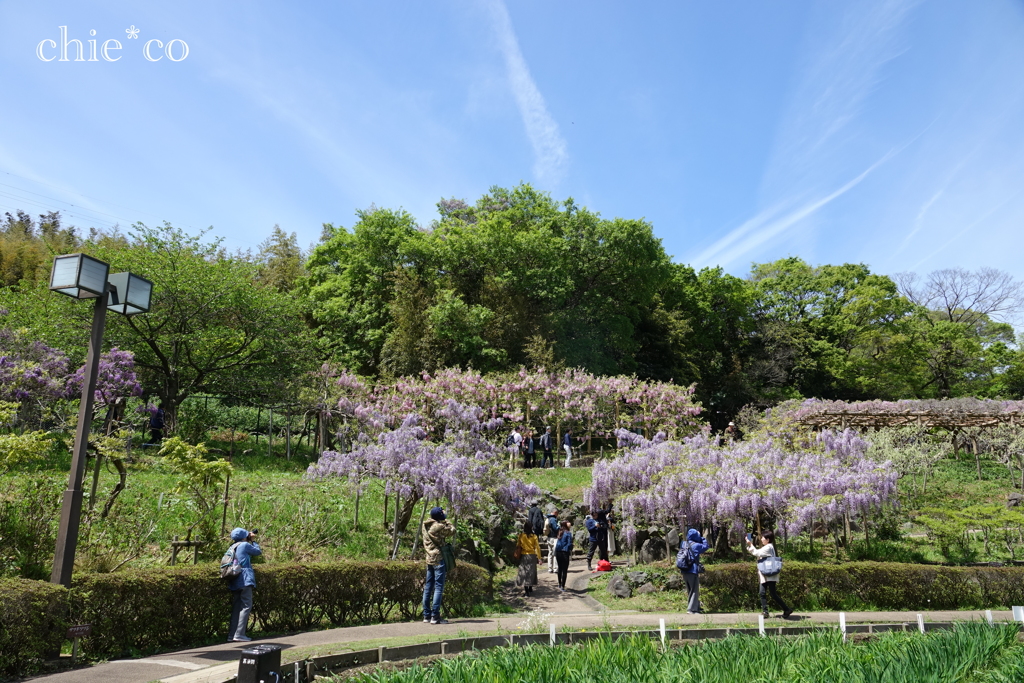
79	276
129	293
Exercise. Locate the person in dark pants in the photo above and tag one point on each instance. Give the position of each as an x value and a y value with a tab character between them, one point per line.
602	533
156	425
547	442
591	525
691	575
769	584
241	587
563	553
536	518
529	451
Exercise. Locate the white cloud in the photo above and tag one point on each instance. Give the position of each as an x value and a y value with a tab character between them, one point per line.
768	224
549	149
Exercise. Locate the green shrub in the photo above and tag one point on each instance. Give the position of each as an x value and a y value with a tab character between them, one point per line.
33	621
865	585
143	611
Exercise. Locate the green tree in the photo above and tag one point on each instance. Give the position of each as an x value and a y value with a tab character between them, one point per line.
281	261
827	331
212	327
351	285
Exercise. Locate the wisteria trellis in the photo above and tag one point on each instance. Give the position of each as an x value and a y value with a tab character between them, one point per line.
699	479
592	406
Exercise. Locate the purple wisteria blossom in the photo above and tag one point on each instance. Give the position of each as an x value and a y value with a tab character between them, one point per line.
115	378
456	461
30	370
698	479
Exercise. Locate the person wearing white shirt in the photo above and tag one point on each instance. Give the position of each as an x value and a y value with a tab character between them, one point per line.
768	583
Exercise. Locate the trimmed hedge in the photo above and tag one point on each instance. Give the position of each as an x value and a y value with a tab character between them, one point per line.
33	621
141	611
147	610
866	585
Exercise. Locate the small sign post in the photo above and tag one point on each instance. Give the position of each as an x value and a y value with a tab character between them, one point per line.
73	634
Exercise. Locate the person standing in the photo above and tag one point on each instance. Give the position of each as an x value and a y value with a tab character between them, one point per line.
529	451
244	549
563	553
535	517
732	432
769	584
689	565
567	445
551	528
436	532
602	533
591	525
528	550
514	443
156	425
547	442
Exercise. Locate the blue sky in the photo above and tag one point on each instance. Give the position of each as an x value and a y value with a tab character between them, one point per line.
884	132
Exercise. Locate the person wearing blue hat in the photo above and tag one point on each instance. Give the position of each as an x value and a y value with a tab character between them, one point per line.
436	532
241	586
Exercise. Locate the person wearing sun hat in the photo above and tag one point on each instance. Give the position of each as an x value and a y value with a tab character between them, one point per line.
436	532
241	587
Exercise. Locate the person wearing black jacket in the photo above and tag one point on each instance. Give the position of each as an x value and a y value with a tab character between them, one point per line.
529	451
602	533
536	518
547	442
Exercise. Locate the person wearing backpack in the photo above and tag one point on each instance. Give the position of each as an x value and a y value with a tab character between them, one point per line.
551	528
514	442
768	572
688	563
563	553
436	532
241	580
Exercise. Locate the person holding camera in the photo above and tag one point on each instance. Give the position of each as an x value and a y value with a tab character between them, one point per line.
436	532
241	586
769	577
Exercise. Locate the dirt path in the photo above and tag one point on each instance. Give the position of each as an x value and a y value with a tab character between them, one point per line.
547	598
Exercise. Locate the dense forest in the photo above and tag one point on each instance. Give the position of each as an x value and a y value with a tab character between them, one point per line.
517	279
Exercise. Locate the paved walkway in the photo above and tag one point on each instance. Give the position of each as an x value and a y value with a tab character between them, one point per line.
216	663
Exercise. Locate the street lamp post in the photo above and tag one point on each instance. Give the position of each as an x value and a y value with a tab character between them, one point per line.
84	277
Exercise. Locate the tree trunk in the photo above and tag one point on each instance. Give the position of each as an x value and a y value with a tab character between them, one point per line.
416	533
977	457
406	512
117	489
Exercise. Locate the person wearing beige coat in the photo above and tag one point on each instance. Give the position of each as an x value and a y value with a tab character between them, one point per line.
436	532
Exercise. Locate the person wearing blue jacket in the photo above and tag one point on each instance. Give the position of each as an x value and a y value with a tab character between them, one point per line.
697	545
591	525
245	548
563	553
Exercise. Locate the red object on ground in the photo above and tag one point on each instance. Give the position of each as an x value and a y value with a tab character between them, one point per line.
604	566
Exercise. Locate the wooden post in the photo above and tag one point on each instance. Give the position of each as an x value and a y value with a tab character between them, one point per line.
270	434
977	457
